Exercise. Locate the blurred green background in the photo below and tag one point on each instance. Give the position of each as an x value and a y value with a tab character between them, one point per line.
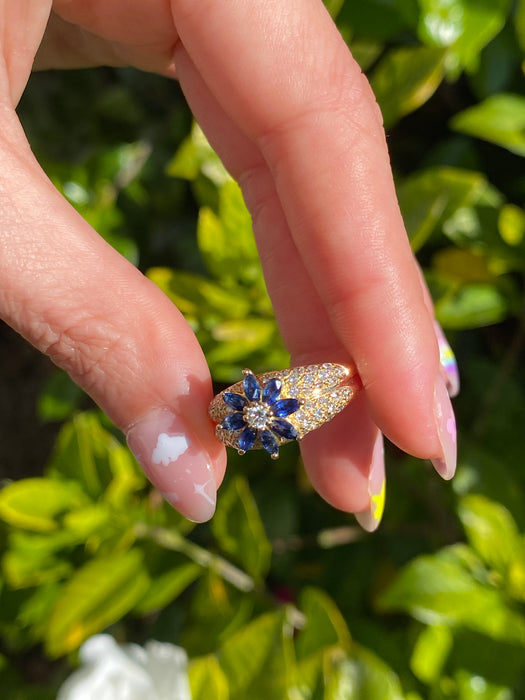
281	596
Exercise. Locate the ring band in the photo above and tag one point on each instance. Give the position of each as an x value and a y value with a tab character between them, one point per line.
274	408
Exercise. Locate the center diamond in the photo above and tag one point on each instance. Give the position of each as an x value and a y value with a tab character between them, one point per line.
257	415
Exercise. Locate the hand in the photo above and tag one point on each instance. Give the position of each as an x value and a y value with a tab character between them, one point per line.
280	98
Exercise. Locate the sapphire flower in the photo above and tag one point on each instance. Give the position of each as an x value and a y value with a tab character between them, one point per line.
259	414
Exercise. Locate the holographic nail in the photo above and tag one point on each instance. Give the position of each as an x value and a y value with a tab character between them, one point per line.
448	362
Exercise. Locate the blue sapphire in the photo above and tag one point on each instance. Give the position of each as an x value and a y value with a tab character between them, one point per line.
252	388
283	429
235	401
284	407
247	439
269	442
271	391
233	421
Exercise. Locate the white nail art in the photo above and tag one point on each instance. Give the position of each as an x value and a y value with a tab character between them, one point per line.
169	449
199	490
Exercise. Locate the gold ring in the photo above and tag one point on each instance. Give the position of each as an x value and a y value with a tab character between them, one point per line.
271	409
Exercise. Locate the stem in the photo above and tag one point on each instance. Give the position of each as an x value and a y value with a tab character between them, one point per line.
172	540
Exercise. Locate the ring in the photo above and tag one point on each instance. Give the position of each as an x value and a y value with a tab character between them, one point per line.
274	408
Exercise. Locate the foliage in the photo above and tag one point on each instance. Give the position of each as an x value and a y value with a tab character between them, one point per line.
281	596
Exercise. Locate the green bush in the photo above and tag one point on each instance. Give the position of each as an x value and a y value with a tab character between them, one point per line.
280	596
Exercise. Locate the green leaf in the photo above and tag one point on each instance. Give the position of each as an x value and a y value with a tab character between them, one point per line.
471	306
439	590
167	586
83	452
463	26
362	677
472	686
23	571
378	19
97	595
226	240
59	397
35	504
511	225
237	340
207	679
195	156
239	530
247	656
491	530
519	23
499	119
34	612
405	79
430	197
430	653
197	297
325	626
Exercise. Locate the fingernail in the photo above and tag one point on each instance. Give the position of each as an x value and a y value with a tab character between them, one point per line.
448	362
445	464
370	519
173	459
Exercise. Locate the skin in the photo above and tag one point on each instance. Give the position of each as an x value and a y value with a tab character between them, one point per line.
286	107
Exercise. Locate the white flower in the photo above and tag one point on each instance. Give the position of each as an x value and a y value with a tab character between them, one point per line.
109	671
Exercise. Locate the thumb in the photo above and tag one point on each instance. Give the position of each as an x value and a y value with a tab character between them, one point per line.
118	336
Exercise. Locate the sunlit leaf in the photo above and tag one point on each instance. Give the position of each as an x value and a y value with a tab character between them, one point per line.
207	679
439	590
491	530
430	197
22	571
463	265
246	658
511	224
405	79
473	686
431	652
460	304
167	586
195	156
34	504
499	119
519	23
226	240
83	452
325	626
196	296
464	26
98	594
363	676
238	528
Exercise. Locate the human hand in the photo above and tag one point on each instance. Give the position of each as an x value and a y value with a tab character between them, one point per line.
280	98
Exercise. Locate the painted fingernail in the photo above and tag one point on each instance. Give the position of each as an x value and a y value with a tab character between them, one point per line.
448	362
175	462
445	464
370	519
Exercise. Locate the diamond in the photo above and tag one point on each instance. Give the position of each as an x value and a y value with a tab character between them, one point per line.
257	415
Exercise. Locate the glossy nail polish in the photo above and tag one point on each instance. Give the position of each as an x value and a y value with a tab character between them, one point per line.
173	459
448	362
445	464
371	518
